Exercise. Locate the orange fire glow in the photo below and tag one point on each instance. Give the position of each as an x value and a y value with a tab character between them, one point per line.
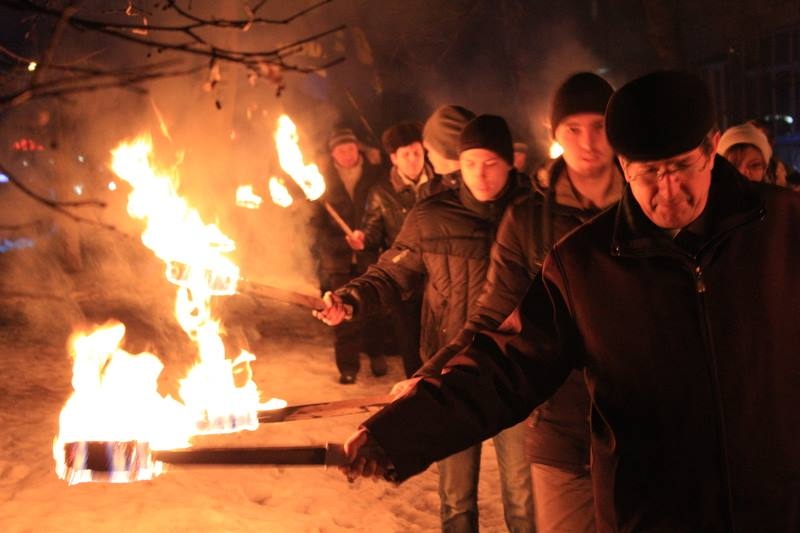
115	394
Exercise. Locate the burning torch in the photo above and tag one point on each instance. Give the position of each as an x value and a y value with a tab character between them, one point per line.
116	426
308	177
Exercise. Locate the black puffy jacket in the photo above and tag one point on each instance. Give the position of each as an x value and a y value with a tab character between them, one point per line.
442	251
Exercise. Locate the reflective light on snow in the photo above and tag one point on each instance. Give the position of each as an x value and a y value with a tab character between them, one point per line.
6	245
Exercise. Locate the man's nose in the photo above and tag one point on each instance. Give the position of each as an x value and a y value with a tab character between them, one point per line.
585	140
668	186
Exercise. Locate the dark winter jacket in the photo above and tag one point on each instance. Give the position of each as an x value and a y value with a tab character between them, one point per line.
690	352
442	251
330	249
389	202
530	227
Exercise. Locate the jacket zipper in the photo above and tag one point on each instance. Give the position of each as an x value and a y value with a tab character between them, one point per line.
699	283
700	289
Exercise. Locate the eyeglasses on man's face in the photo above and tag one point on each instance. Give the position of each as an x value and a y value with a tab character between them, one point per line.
651	173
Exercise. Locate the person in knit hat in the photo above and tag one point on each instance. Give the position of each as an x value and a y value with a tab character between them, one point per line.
484	142
521	150
678	305
440	138
584	181
348	178
778	171
581	183
442	252
748	149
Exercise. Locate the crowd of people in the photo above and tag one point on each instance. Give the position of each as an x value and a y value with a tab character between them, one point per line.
619	321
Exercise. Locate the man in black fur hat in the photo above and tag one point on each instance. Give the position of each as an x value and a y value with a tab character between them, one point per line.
411	178
679	306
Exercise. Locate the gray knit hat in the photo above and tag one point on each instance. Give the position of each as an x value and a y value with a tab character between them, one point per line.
443	128
341	136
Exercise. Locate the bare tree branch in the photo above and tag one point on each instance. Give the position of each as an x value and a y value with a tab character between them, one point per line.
45	201
58	206
47	77
266	64
93	81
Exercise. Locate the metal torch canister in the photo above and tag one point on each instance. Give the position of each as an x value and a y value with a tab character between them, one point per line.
219	280
109	462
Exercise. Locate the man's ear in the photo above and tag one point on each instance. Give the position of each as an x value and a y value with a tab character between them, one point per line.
393	158
714	143
623	164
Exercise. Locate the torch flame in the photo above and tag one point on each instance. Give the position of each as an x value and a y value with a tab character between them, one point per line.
556	150
290	157
279	193
245	197
115	399
194	254
131	407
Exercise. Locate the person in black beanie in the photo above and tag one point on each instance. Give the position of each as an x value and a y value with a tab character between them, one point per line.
583	182
442	252
679	307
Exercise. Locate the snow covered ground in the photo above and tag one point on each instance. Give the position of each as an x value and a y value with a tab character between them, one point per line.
295	362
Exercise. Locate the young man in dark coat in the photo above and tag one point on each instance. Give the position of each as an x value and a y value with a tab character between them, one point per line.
348	178
680	307
583	181
443	250
411	179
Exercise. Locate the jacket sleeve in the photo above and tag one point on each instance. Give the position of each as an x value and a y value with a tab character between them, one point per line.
398	274
494	383
510	270
372	223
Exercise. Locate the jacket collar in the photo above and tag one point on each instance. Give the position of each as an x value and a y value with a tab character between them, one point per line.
399	183
732	201
560	196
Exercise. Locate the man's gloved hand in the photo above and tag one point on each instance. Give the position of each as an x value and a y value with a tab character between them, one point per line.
335	312
367	458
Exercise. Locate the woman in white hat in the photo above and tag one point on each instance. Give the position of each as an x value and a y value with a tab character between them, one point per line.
748	149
